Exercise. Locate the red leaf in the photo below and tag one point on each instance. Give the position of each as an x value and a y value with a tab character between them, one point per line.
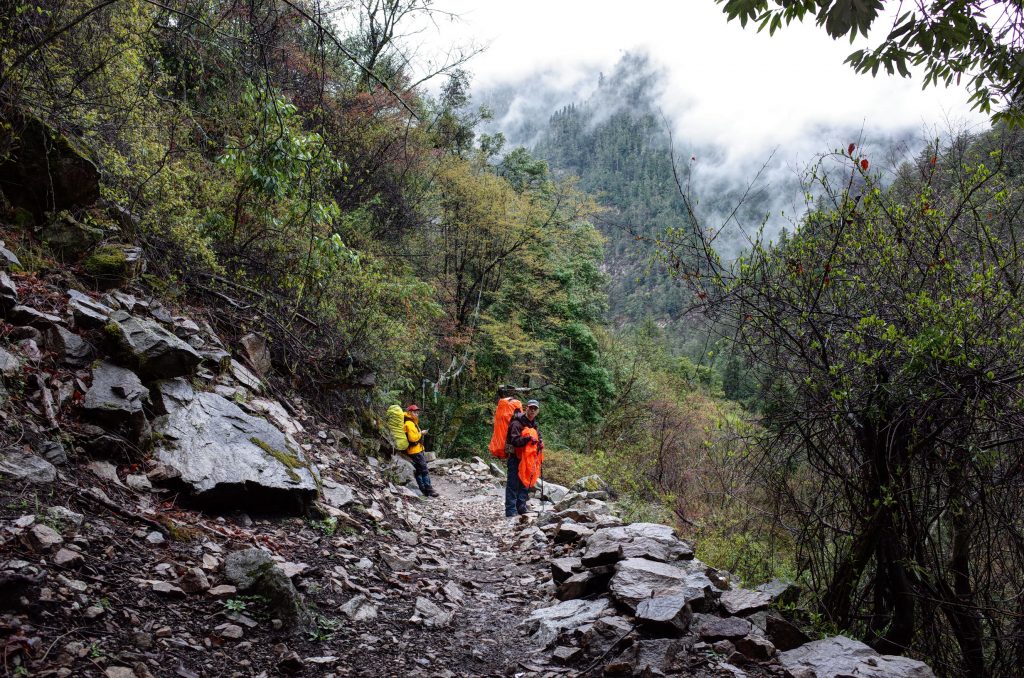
864	164
933	161
850	149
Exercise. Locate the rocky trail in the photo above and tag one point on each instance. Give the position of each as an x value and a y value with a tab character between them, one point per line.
165	512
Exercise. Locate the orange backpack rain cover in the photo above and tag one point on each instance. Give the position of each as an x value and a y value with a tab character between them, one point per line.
529	463
502	416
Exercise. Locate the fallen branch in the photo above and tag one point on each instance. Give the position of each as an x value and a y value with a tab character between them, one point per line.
90	495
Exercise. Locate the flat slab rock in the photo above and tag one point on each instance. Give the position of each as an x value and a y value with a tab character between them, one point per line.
639	578
211	442
744	601
839	657
636	540
729	628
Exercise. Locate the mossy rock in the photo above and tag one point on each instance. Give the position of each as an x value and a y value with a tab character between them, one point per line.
112	265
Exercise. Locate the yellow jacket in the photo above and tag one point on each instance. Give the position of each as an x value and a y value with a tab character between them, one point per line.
412	432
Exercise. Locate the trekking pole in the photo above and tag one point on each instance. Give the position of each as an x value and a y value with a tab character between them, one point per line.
543	487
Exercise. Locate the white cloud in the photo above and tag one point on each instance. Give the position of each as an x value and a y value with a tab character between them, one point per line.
728	86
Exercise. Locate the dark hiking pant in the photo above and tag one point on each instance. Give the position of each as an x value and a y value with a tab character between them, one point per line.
515	494
420	471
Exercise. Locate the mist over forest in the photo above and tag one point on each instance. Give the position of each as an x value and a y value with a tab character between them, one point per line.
732	186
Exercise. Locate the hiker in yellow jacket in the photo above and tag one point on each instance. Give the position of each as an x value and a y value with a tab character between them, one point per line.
415	451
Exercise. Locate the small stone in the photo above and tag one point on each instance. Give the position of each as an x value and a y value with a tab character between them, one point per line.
142	640
44	538
93	612
232	631
65	515
723	647
139	483
119	672
755	647
155	538
566	655
291	663
194	581
25	521
68	558
167	589
222	591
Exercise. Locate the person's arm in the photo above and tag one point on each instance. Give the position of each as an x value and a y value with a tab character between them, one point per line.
515	434
412	432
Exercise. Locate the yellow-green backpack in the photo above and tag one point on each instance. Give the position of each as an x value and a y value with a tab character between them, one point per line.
396	424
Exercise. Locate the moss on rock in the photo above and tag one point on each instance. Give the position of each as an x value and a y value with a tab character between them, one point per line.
288	460
108	262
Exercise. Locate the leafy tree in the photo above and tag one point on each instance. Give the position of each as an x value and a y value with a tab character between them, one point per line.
982	39
890	326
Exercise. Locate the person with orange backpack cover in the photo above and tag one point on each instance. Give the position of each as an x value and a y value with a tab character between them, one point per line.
523	432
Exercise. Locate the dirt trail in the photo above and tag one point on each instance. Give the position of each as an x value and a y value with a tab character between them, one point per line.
498	576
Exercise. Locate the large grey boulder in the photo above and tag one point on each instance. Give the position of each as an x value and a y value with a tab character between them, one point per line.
636	540
115	400
46	170
639	578
151	349
547	623
254	571
840	657
18	465
219	449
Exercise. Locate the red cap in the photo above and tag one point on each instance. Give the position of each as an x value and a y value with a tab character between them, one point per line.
412	408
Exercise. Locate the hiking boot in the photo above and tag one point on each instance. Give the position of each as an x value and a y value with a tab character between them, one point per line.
431	492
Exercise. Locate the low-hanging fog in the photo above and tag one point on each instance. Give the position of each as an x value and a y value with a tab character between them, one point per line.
747	107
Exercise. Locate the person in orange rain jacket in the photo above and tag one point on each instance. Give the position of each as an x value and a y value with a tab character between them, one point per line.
415	451
516	493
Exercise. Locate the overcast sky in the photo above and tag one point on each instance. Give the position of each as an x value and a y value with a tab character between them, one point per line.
726	85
